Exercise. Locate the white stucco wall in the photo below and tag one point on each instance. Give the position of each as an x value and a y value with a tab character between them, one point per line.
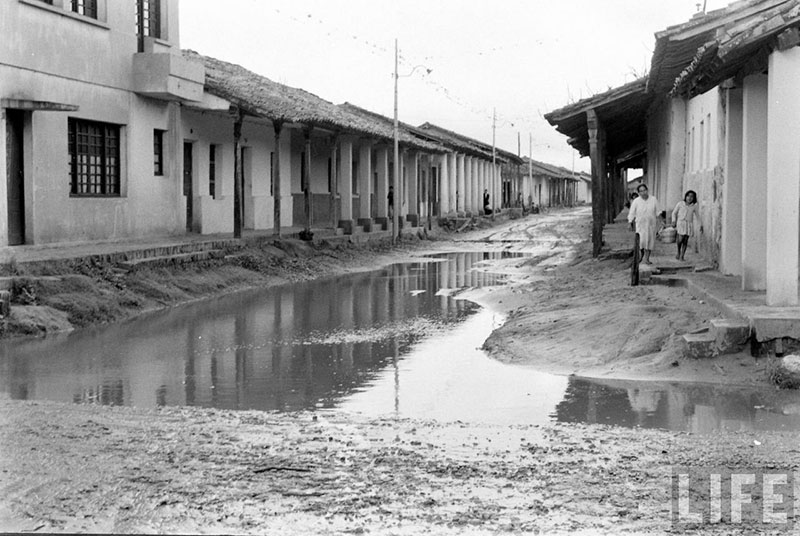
683	151
50	54
704	168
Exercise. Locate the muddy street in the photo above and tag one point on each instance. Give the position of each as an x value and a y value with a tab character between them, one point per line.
508	384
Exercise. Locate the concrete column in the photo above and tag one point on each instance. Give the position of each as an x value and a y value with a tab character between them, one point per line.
481	184
754	172
469	207
423	182
444	185
452	181
412	162
478	188
346	184
365	184
498	186
730	255
460	184
174	159
783	178
401	196
382	167
473	202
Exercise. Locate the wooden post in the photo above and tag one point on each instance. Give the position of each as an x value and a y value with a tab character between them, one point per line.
334	181
637	253
598	211
306	179
278	126
237	176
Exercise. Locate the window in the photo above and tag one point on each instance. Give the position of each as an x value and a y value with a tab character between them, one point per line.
158	152
94	158
212	171
148	18
85	7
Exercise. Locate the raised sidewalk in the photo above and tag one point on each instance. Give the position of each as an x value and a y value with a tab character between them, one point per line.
740	307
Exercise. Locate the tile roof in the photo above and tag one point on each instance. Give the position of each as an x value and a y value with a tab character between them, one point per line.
259	96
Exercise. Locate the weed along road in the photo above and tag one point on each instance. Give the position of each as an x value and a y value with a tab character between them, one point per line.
498	380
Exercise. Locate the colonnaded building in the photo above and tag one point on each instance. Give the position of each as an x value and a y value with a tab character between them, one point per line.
110	131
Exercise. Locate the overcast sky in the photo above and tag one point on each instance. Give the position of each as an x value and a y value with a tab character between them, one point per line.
522	57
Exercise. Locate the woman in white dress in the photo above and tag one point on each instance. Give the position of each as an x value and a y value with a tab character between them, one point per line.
683	217
643	214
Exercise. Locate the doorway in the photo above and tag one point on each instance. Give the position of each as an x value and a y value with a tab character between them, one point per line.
15	176
187	182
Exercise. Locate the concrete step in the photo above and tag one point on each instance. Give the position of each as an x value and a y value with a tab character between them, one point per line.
730	336
700	345
172	260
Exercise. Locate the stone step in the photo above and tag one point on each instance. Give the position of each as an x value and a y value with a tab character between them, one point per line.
700	345
730	336
172	260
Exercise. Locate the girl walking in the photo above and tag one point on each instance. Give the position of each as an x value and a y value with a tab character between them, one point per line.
683	217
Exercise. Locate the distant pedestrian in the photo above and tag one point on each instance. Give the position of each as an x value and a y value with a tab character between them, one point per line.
683	217
487	208
643	216
390	199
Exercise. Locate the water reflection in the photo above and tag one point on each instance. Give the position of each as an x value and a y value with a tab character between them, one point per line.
294	347
391	342
698	408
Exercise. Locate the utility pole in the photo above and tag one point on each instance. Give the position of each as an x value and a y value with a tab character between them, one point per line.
398	183
530	166
494	163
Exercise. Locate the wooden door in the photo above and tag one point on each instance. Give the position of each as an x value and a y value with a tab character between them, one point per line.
187	182
15	177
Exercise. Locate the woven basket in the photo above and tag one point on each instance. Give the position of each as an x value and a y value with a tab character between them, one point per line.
667	235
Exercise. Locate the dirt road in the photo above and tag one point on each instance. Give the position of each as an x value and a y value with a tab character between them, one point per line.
79	468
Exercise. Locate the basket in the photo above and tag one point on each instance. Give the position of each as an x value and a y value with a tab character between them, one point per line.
667	235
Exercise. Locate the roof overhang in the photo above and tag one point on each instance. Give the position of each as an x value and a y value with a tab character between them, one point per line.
35	105
741	48
622	112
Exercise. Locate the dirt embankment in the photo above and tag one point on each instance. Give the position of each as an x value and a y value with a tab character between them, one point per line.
64	295
569	313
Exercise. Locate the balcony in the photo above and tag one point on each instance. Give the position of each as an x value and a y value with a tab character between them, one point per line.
166	76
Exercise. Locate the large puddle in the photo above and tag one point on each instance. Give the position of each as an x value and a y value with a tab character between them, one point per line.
394	342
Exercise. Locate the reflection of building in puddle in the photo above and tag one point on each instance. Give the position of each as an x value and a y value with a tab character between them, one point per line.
699	408
644	401
290	347
707	418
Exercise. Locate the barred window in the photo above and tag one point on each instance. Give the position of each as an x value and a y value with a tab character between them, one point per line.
158	151
148	18
94	158
212	170
85	7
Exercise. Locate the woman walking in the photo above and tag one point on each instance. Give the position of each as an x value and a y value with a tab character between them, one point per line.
643	216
